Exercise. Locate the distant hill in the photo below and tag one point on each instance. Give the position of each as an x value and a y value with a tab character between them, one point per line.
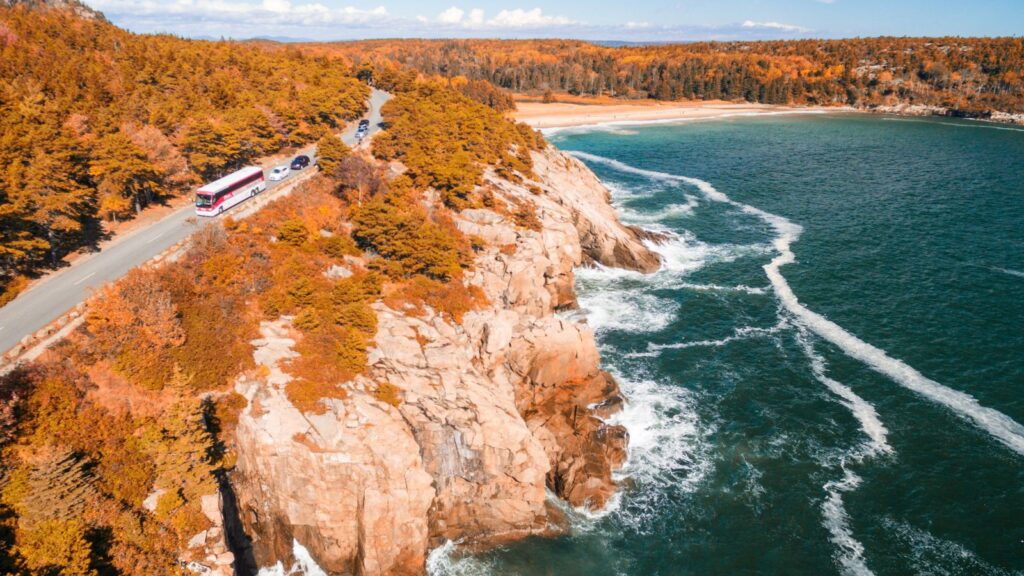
74	6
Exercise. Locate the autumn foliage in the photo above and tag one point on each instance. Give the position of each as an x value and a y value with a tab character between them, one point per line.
110	442
972	75
97	123
447	139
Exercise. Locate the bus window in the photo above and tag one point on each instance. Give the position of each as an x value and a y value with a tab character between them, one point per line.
203	201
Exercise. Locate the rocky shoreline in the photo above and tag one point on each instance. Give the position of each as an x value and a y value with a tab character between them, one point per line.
925	110
492	413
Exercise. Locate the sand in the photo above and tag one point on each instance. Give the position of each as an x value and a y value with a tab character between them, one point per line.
567	114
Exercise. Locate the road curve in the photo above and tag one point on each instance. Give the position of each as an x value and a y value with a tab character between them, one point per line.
50	298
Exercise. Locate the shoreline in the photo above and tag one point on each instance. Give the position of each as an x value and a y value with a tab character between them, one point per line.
559	115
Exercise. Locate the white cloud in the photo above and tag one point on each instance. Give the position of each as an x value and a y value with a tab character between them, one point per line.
452	15
520	18
774	26
235	14
318	20
516	19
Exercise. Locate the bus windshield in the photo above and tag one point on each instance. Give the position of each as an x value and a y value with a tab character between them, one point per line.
203	200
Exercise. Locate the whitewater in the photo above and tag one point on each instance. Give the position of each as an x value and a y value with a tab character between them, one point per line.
995	423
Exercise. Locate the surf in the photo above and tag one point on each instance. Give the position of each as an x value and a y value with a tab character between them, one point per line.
999	426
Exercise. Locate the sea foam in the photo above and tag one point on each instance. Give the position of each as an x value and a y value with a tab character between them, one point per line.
304	564
446	561
837	522
997	424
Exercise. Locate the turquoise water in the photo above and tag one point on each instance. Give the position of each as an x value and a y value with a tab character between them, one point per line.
827	377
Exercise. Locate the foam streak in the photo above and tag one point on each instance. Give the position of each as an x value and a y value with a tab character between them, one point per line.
997	424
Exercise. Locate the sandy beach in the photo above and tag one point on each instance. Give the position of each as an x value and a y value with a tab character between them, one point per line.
566	114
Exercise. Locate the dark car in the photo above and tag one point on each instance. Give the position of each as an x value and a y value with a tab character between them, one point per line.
364	123
300	162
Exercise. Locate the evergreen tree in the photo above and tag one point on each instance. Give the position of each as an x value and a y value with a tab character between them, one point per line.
330	152
56	548
57	489
55	200
183	459
210	148
124	176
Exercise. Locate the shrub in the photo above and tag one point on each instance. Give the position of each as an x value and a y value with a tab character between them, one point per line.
357	316
446	139
525	215
10	290
453	298
137	324
307	395
292	232
402	232
330	152
388	393
339	245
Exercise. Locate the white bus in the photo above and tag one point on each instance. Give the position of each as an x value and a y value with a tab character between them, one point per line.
221	194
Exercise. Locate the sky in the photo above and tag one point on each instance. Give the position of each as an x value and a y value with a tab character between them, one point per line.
625	20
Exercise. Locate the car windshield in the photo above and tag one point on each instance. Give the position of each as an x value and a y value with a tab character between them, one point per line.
203	200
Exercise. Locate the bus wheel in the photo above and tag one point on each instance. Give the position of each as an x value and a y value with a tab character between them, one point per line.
220	210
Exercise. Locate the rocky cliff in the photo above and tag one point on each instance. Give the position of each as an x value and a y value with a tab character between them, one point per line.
491	412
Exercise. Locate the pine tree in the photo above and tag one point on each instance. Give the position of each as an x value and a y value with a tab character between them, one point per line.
57	488
210	148
330	152
183	461
56	547
124	176
54	199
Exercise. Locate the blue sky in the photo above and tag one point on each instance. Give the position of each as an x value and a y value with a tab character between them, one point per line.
636	20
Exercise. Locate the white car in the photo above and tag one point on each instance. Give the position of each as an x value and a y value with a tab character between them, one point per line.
279	173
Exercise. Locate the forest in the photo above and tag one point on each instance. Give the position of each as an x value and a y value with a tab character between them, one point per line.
971	75
111	440
109	443
96	123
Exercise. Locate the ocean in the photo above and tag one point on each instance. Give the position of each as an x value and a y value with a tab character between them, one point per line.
827	375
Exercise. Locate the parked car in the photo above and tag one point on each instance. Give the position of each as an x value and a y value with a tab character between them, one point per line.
279	173
300	162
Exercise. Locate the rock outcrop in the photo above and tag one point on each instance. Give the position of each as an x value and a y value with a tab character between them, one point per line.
493	412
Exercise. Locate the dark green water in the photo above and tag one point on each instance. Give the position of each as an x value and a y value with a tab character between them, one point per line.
856	411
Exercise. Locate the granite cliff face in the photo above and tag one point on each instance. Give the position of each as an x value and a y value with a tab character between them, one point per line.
493	412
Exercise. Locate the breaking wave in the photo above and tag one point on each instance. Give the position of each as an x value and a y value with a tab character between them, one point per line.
446	561
304	564
668	454
998	425
980	124
627	311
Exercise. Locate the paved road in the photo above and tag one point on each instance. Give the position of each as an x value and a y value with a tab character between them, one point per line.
49	299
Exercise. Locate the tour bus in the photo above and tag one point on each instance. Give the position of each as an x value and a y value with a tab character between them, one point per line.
219	195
